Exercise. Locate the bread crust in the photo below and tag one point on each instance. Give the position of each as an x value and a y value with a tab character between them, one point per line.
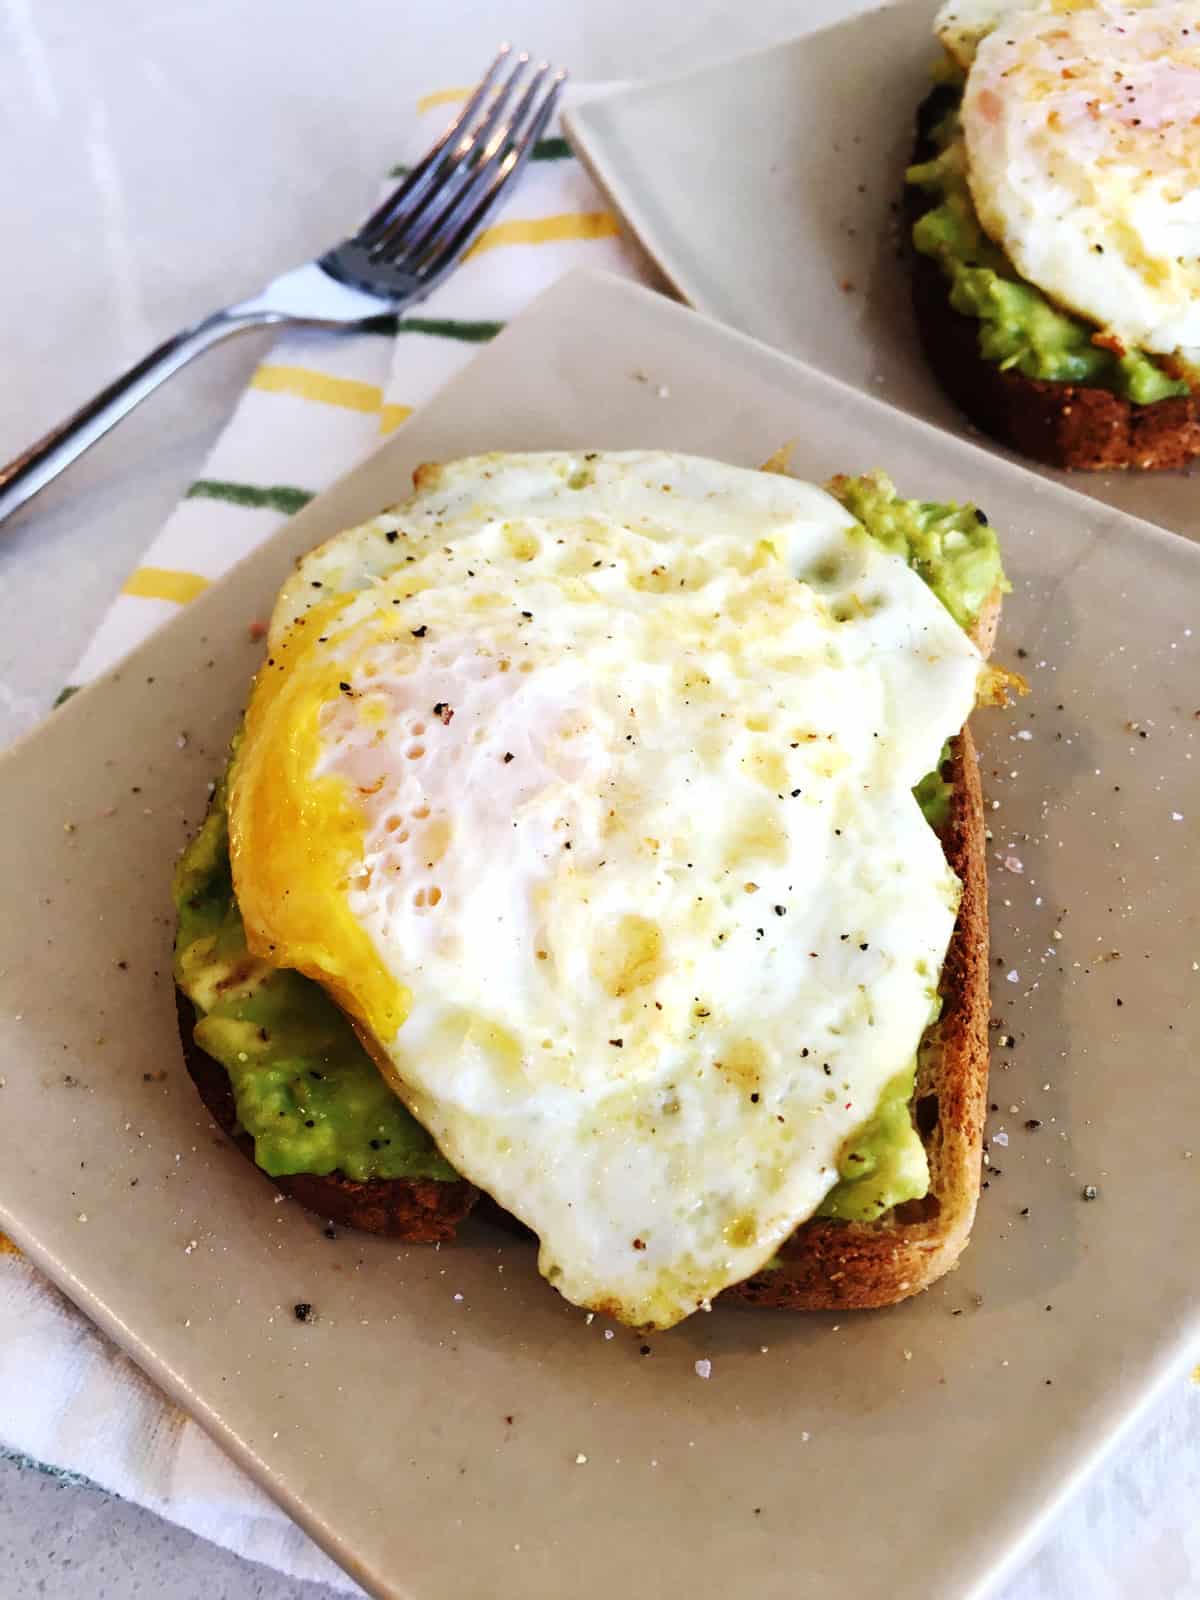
830	1265
1074	426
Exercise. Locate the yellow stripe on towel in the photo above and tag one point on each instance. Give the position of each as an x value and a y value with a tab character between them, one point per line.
164	583
351	393
547	230
392	416
443	97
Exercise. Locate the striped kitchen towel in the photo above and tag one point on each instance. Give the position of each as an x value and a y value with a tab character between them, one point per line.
319	404
69	1402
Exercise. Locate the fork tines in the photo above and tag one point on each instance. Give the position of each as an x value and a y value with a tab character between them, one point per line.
443	201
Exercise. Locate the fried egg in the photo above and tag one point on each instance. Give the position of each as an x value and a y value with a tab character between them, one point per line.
1082	131
583	783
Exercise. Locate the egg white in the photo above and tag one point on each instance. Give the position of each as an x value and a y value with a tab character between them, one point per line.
1082	132
619	750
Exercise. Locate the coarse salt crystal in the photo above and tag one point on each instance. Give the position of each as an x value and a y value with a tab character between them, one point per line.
1000	1138
704	1369
1013	976
581	1460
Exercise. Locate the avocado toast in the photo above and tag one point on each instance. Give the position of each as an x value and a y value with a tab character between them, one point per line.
1024	371
1051	267
282	1070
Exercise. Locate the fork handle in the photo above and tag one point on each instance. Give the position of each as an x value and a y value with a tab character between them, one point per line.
34	468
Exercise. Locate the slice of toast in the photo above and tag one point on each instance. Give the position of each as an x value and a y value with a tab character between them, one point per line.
1076	426
826	1264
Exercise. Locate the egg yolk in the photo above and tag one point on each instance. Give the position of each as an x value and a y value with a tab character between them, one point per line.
295	835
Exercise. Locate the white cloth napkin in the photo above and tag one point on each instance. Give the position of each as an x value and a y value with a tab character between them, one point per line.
70	1403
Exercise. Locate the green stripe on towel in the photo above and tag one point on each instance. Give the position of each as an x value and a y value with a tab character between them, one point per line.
435	327
450	328
551	150
272	497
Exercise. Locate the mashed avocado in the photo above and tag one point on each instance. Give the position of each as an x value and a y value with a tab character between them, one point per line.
952	548
1018	326
307	1092
885	1162
933	794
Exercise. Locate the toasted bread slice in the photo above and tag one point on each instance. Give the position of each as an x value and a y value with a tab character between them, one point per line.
827	1264
1076	426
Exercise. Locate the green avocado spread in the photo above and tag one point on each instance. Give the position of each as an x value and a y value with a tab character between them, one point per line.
306	1091
305	1088
1019	327
951	548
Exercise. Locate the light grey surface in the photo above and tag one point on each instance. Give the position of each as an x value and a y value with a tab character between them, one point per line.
88	1546
150	187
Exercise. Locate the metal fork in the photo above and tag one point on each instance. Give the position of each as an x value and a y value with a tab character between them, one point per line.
399	254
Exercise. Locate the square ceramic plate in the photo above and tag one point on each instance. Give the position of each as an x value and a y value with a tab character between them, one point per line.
766	189
427	1425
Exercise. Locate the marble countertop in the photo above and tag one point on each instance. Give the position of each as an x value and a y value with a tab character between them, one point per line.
171	158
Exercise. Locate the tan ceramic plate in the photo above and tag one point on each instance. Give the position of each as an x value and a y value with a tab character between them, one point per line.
426	1426
766	189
